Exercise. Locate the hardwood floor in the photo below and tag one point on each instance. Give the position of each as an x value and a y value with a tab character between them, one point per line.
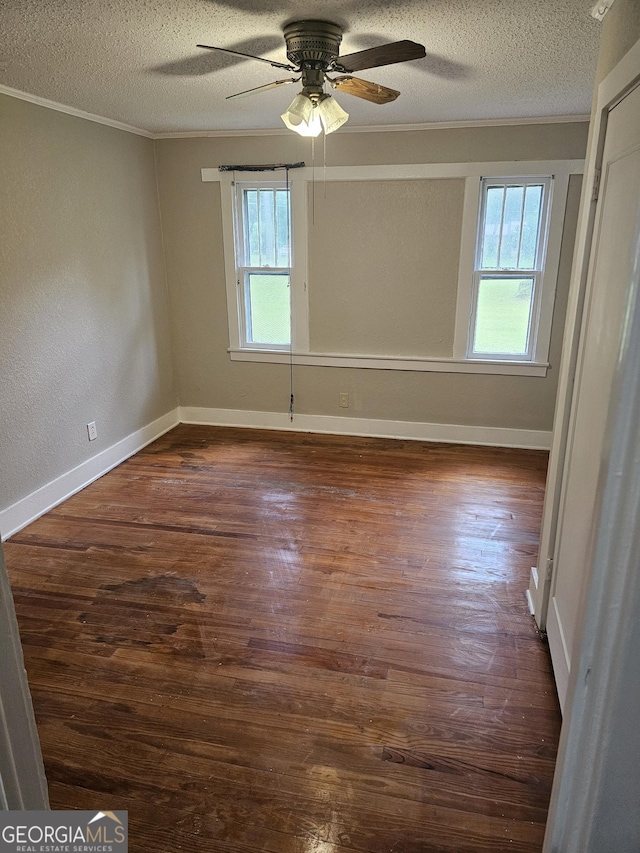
295	643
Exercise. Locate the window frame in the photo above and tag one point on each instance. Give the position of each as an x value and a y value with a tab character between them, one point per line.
536	272
231	198
542	311
472	173
244	270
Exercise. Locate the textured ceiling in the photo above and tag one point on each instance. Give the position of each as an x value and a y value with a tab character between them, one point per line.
136	61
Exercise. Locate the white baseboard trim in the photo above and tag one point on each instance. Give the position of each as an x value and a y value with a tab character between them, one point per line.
532	609
26	510
450	433
533	585
559	653
532	591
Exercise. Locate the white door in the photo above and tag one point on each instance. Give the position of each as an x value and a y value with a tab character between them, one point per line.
606	304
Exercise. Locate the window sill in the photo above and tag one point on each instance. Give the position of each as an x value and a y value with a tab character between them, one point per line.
393	362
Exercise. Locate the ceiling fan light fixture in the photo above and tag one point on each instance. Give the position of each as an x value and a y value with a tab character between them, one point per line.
309	117
313	49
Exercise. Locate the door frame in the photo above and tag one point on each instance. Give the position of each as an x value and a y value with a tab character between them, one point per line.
611	90
594	698
23	785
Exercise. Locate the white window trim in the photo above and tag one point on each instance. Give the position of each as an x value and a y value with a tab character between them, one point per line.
536	273
392	362
542	315
299	296
300	353
298	270
229	230
243	271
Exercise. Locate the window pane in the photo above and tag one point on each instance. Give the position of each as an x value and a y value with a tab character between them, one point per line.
266	199
252	247
266	228
530	226
509	232
268	308
511	228
491	232
503	316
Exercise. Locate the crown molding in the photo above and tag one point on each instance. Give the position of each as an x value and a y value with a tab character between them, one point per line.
64	108
202	134
382	128
446	125
386	128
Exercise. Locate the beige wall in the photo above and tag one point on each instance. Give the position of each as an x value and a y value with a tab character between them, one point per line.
195	267
620	31
84	325
383	273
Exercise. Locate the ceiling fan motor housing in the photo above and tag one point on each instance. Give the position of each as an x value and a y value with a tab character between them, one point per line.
314	44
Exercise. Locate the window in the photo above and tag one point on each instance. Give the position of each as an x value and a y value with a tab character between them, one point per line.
509	217
508	269
263	264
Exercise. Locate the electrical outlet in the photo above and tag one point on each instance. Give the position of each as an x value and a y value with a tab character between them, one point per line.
343	400
92	431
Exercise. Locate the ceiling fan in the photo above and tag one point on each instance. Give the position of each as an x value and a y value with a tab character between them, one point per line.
313	53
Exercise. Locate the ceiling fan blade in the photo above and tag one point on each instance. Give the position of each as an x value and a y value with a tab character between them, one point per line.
363	89
249	56
264	88
385	54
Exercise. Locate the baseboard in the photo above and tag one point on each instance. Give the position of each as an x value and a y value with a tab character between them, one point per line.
26	510
559	653
32	506
532	591
450	433
530	605
533	585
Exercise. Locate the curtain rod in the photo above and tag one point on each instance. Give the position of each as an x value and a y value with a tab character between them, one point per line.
265	168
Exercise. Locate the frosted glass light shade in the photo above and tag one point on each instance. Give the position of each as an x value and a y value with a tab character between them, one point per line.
309	119
309	127
299	111
332	114
302	116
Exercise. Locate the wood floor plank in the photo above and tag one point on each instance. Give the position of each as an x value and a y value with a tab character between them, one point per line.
295	643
